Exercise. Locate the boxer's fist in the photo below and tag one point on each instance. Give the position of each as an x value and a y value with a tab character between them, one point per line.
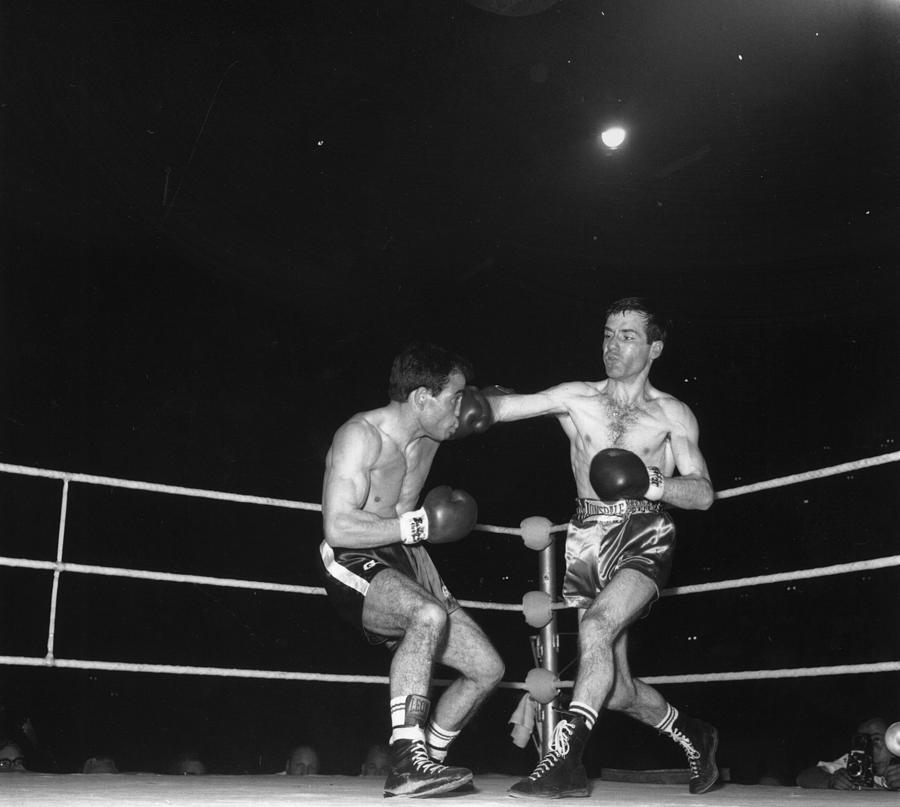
616	473
475	413
446	515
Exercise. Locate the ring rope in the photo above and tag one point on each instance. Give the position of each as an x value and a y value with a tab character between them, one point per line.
285	675
793	479
59	566
169	577
222	672
153	487
178	490
261	585
779	577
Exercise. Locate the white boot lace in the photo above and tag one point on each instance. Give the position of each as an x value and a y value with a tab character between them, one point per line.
420	759
693	755
559	747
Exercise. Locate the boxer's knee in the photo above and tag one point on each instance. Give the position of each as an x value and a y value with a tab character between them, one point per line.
598	629
485	668
623	696
430	618
493	670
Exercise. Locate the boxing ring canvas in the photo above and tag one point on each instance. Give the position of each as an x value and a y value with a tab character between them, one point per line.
56	790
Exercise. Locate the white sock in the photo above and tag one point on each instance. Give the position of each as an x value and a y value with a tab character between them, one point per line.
438	740
589	714
665	725
400	729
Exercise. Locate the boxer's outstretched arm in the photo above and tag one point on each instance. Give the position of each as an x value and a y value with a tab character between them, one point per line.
552	401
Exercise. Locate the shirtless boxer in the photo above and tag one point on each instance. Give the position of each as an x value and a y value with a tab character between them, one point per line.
380	577
627	439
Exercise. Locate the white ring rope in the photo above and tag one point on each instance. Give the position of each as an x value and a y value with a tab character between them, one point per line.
153	487
203	493
261	585
59	566
221	672
168	577
793	479
875	563
285	675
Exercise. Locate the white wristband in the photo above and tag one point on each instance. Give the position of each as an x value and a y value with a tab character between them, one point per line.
413	526
657	484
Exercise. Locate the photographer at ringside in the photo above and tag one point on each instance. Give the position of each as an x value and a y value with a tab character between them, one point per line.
867	764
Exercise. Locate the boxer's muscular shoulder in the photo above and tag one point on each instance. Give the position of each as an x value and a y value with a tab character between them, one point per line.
677	414
359	438
574	395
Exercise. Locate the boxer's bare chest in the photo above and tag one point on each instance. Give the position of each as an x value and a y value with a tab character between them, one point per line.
621	420
603	422
399	475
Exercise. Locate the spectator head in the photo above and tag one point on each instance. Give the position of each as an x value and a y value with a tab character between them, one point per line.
875	727
302	761
377	761
188	763
101	763
12	760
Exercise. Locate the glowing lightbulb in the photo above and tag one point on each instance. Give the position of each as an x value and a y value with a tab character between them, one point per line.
613	137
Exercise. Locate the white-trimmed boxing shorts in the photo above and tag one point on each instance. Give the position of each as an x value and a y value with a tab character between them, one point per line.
347	573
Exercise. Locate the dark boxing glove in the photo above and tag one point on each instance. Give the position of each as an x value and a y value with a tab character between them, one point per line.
475	413
620	474
446	515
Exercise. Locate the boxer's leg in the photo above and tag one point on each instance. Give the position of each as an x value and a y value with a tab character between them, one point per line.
561	773
468	651
398	607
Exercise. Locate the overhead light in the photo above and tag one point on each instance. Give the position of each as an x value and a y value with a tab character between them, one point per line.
613	137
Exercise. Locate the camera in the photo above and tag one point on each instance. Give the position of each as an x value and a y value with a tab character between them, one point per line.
859	762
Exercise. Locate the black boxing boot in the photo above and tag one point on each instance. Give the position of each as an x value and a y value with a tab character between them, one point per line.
414	774
560	773
699	741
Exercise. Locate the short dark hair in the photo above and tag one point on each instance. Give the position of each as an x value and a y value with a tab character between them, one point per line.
423	364
656	325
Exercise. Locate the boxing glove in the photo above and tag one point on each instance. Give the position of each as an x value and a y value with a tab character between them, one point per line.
617	473
446	515
475	413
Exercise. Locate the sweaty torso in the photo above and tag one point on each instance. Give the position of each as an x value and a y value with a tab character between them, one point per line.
594	420
398	474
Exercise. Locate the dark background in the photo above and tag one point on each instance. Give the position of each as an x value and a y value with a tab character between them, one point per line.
220	220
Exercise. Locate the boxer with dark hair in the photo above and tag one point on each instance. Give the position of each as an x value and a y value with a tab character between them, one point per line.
380	577
633	448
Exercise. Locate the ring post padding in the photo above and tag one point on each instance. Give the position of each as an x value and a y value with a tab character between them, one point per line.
536	607
536	532
542	685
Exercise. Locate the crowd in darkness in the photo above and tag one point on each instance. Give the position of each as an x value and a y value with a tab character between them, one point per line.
30	743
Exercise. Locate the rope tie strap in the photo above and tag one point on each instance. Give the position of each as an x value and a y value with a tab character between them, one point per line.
588	508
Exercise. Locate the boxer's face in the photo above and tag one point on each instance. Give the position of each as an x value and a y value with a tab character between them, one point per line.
626	351
440	413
